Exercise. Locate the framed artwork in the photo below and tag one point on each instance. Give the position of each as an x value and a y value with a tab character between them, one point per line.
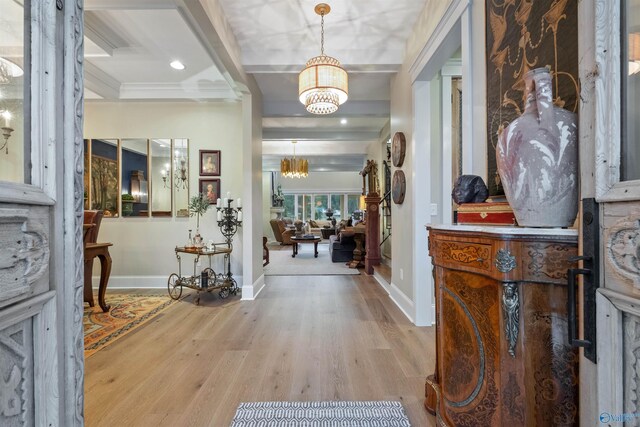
209	162
211	189
522	35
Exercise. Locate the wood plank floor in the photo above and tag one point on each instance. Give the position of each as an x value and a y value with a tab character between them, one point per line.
304	338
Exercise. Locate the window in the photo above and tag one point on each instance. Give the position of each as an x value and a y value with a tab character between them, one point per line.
630	155
314	206
321	203
14	152
353	203
289	206
336	205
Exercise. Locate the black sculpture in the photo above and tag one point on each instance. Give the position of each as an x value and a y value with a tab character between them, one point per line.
469	189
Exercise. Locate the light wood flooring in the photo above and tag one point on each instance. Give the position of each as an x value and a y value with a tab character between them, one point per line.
304	338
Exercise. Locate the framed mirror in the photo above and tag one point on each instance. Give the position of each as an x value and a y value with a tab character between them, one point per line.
161	182
180	176
134	172
104	188
630	43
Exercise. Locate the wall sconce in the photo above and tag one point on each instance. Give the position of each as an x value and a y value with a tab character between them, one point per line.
6	130
139	189
180	179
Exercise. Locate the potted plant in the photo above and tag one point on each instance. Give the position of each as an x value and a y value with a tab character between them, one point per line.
127	204
198	205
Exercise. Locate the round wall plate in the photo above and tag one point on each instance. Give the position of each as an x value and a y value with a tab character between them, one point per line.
398	187
398	149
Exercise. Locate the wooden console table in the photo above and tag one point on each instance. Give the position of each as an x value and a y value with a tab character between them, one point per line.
502	352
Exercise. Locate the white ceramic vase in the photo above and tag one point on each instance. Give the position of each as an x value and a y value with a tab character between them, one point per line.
537	157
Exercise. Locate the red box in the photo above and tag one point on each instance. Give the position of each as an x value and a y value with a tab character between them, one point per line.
487	213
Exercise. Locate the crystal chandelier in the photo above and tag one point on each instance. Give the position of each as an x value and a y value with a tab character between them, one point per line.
323	85
180	176
9	70
294	168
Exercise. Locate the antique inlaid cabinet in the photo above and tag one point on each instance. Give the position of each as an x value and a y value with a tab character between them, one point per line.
503	357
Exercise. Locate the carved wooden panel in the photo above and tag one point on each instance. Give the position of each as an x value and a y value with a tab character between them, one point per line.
470	357
547	262
24	258
16	375
551	363
623	249
472	254
502	351
631	325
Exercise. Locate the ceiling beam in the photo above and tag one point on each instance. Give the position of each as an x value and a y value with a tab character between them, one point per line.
296	68
128	4
100	82
315	134
101	34
348	109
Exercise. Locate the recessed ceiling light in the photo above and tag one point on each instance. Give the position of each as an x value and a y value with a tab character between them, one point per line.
177	65
343	121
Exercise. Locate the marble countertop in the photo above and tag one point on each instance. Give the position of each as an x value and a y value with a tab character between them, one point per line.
493	229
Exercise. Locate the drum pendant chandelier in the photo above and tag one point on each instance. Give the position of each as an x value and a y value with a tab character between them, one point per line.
323	85
294	168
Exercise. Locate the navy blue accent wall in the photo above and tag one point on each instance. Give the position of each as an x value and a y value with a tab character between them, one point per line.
133	161
103	149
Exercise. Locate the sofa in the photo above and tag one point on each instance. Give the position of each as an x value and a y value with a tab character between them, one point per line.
341	246
281	232
316	225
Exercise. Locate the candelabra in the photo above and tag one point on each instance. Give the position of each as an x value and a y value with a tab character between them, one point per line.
6	133
229	219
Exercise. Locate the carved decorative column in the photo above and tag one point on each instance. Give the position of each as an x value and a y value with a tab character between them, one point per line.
373	232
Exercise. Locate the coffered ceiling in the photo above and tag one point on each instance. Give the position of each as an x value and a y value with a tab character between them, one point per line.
277	37
130	43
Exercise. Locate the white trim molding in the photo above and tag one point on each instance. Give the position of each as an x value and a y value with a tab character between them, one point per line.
609	317
419	69
250	292
404	303
607	84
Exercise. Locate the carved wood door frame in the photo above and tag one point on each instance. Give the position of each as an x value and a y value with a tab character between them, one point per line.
608	387
41	258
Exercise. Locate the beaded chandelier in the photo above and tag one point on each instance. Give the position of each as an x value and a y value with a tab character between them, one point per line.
323	85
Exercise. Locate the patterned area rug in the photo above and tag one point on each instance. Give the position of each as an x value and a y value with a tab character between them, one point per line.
321	414
128	312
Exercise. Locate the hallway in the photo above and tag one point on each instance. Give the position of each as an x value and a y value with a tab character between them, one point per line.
305	338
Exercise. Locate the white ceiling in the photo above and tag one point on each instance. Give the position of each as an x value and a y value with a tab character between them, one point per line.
129	44
277	38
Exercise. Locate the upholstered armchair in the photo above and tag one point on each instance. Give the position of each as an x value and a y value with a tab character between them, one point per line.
280	232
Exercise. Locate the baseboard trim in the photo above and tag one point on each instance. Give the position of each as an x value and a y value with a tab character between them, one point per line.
403	302
133	282
382	282
249	292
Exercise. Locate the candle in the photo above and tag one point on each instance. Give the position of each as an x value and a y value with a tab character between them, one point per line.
226	202
239	202
164	172
7	118
219	203
219	215
240	216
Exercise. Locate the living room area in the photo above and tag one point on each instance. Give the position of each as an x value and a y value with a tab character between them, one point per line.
324	206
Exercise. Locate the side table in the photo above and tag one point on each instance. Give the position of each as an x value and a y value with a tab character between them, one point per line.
327	232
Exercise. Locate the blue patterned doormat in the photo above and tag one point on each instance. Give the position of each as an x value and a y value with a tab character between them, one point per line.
321	414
